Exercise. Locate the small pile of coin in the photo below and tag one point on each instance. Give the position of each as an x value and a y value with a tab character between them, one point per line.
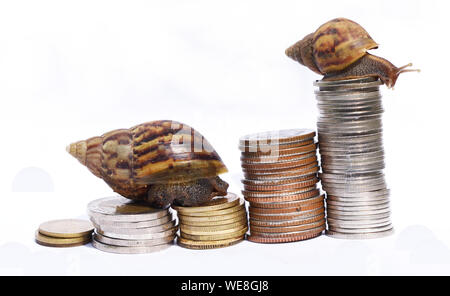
280	170
64	233
127	227
352	158
218	223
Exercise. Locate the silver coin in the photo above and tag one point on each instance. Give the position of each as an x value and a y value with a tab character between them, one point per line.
132	225
348	148
357	208
351	162
367	195
352	189
324	102
362	230
382	198
153	229
354	169
358	213
358	218
137	235
343	152
349	185
355	177
348	97
133	243
361	223
353	181
358	236
128	250
337	226
120	209
359	156
357	204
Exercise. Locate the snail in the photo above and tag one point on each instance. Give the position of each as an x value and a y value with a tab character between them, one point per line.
159	162
338	50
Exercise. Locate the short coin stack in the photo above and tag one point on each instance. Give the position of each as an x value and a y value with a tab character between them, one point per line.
221	222
64	233
126	227
280	170
352	158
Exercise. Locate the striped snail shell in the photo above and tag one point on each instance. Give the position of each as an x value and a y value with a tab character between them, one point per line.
133	160
338	50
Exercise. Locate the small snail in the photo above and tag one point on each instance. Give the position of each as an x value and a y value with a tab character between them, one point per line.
159	162
338	50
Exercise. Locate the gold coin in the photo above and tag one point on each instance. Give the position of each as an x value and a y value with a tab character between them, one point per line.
210	237
241	217
217	203
61	242
236	208
224	229
68	228
204	245
211	228
190	219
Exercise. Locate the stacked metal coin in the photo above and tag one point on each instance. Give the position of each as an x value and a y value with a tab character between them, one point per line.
280	170
126	227
64	233
352	158
219	223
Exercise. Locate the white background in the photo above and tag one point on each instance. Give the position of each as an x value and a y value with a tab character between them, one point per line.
70	70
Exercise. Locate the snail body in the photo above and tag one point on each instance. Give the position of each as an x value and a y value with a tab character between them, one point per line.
154	162
338	50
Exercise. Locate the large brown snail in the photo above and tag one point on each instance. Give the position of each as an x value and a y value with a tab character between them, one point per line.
338	50
159	162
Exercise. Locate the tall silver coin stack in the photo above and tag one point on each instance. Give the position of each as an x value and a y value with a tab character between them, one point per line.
126	227
352	158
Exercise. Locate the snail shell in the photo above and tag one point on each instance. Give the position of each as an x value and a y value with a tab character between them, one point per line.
338	50
157	152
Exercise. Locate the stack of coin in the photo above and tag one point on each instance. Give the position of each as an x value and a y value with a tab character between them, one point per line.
352	158
280	170
64	233
218	223
127	227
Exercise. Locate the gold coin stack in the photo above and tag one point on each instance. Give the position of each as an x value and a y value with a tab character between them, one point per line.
218	223
64	233
280	170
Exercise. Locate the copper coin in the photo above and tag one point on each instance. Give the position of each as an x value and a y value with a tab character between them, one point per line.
293	222
289	186
285	152
287	234
258	230
298	169
293	197
275	182
276	193
274	148
288	204
276	158
282	165
300	174
292	210
285	217
277	240
279	136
